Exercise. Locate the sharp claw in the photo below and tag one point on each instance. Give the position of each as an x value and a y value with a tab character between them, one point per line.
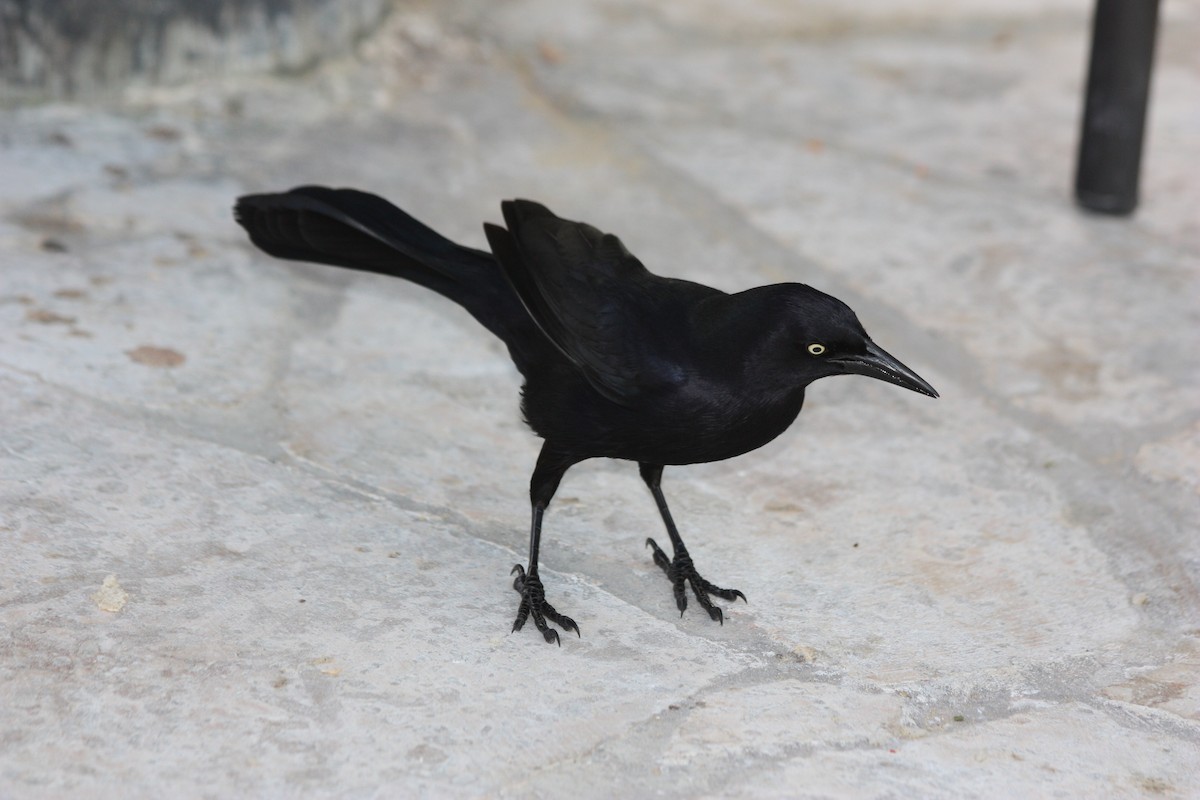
681	572
680	602
651	543
533	603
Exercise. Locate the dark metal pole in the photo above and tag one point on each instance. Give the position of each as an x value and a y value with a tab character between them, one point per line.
1114	115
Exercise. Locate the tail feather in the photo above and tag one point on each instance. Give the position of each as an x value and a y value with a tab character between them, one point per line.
355	230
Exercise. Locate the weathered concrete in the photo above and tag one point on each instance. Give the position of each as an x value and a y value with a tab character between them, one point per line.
310	485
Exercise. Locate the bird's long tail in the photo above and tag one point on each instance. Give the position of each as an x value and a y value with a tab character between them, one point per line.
360	231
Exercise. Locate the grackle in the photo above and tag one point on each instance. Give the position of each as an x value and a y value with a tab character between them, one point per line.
618	362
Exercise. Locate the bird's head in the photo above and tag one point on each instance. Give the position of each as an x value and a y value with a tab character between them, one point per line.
821	336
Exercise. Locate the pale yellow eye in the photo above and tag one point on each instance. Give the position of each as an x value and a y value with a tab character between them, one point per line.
816	349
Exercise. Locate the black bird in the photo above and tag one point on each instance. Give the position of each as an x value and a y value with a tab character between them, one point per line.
617	362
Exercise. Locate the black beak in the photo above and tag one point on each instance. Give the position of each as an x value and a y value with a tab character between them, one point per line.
878	363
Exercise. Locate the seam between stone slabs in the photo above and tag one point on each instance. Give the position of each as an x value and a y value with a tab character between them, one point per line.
1147	718
355	486
456	524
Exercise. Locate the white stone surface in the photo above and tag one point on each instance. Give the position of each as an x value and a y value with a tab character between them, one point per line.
309	486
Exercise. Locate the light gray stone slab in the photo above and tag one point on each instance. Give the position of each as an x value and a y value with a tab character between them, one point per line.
286	629
994	589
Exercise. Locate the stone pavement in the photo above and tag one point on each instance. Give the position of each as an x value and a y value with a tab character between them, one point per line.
309	486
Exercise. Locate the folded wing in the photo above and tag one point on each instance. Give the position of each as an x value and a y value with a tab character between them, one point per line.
591	297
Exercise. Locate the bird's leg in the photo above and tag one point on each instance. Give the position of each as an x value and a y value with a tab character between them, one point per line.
680	568
546	476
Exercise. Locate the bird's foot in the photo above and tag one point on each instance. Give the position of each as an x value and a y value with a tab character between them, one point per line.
680	570
533	603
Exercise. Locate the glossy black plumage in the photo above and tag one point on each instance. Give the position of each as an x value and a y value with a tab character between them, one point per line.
618	362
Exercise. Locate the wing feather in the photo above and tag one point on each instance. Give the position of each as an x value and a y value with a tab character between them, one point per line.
592	298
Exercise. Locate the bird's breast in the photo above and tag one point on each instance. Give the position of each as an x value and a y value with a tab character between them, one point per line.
694	423
714	426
